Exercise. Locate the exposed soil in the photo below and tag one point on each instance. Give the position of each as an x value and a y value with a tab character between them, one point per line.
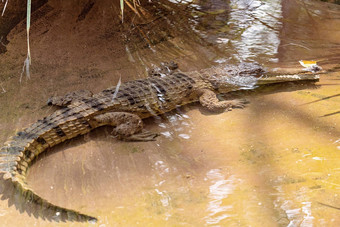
83	45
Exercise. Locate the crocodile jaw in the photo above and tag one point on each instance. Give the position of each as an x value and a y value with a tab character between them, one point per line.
272	79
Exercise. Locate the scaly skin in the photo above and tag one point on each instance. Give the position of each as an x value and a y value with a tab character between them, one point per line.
124	108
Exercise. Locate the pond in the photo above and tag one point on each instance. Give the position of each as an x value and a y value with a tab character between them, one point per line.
273	163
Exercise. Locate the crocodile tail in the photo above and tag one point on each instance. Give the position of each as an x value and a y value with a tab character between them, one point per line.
13	166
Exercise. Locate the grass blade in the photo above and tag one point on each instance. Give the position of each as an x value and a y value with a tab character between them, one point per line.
4	9
27	61
122	9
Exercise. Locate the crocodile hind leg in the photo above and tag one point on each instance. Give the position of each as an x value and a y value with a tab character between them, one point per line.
128	126
209	100
69	98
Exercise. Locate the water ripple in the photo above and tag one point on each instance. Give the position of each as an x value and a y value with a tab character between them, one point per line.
219	190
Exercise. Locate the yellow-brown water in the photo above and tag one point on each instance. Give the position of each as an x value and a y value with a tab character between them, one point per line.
274	163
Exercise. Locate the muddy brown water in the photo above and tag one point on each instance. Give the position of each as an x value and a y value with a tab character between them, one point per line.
274	163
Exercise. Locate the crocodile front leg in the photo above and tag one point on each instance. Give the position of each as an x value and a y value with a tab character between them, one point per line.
209	100
128	126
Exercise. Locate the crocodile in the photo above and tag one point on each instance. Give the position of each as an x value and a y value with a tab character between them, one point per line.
123	107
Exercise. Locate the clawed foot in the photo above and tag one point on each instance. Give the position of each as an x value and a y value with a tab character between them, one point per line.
142	136
238	103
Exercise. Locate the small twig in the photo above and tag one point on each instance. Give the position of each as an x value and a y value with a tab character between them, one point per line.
330	206
134	9
330	114
307	11
144	35
3	89
294	44
262	22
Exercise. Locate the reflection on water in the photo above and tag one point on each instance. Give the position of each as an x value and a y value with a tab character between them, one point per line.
257	24
3	212
245	30
337	142
219	189
298	212
176	125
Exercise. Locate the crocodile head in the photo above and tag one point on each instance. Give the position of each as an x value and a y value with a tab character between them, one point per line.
226	78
